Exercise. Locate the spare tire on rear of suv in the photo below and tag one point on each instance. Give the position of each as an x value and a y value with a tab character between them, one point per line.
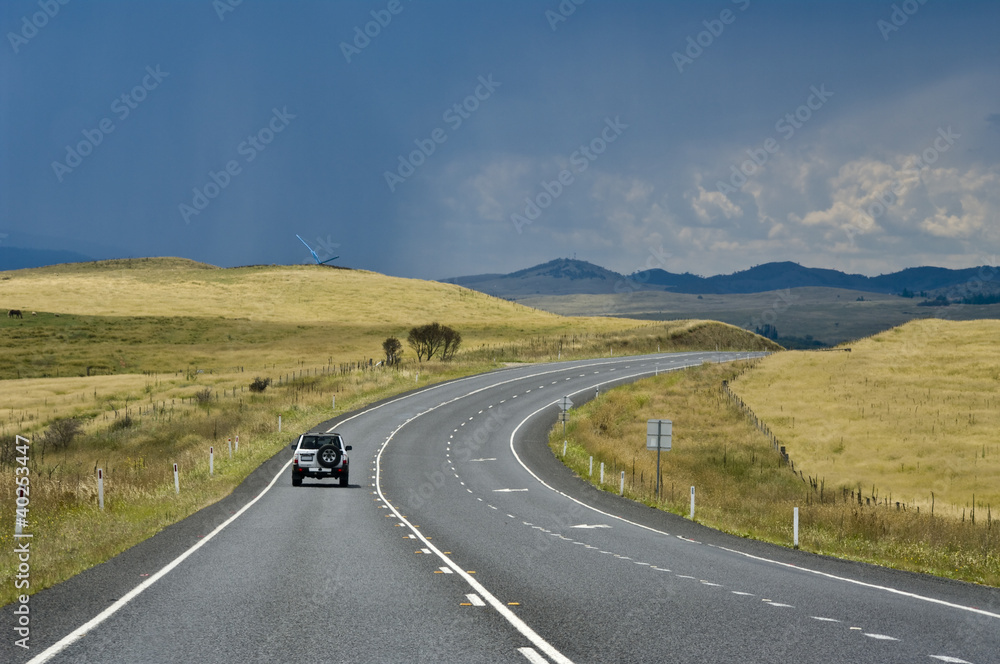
328	456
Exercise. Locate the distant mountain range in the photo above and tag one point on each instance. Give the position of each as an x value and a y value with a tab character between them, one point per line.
565	276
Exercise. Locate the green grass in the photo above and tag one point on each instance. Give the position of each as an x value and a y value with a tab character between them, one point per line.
744	488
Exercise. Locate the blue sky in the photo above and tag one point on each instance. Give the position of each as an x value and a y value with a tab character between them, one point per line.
467	137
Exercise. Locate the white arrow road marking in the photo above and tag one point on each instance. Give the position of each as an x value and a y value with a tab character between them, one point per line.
842	579
507	490
586	525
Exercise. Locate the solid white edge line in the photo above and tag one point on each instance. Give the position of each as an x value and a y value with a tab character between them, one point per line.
873	586
903	593
80	631
532	656
486	595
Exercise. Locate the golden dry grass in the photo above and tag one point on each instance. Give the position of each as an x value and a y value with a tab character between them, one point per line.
169	329
743	487
911	411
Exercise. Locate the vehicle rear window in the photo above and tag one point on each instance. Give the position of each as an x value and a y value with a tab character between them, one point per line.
316	442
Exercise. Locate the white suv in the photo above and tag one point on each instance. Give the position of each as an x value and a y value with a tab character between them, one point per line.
320	455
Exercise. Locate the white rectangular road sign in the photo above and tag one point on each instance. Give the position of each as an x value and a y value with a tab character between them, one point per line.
659	434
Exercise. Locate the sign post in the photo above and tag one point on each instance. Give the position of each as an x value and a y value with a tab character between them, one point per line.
564	405
659	436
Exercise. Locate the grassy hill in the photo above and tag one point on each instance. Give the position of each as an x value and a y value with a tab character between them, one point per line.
167	315
152	360
746	488
908	413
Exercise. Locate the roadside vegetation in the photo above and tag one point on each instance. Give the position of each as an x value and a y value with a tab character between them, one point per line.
132	366
745	487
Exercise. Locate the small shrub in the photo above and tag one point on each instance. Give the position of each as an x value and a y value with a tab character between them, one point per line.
122	423
203	396
259	384
62	432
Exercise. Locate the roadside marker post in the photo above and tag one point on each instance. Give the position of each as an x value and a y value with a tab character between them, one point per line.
100	488
177	481
237	443
279	423
795	527
230	442
211	461
621	489
602	472
591	466
692	503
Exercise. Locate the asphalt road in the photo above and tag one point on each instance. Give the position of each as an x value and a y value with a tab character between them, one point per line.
461	539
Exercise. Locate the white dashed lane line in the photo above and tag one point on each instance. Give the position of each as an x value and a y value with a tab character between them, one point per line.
704	582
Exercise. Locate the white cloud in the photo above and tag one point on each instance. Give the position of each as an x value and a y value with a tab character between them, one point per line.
708	205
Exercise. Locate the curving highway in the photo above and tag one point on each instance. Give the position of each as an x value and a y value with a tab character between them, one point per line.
461	539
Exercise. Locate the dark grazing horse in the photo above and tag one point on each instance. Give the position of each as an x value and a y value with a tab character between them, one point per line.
15	313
